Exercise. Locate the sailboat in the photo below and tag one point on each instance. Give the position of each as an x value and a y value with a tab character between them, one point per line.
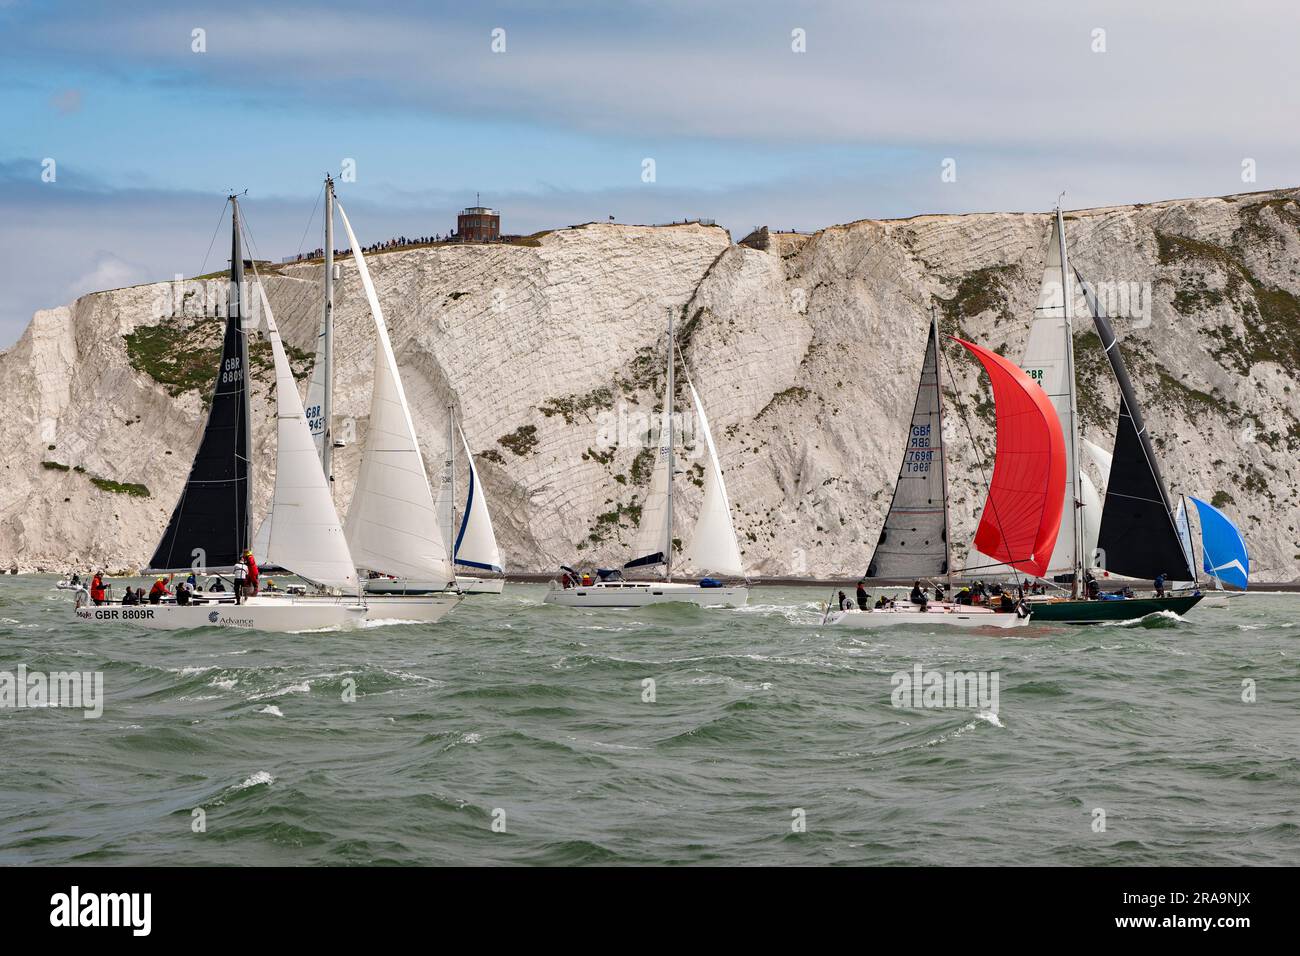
209	528
713	547
1132	531
475	543
391	527
392	523
1022	516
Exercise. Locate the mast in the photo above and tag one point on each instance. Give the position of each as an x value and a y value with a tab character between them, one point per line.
1072	427
668	415
943	445
235	310
327	404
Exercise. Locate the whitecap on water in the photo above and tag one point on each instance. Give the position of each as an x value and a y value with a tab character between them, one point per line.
256	780
272	710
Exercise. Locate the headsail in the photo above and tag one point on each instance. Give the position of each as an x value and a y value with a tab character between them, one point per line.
1138	536
476	544
209	527
914	539
1223	549
713	546
392	525
652	542
1027	492
302	531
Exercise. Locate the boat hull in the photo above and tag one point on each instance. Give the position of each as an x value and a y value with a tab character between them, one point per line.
279	616
935	615
424	608
1103	612
467	585
645	594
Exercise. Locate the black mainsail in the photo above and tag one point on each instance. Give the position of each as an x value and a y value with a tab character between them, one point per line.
1139	534
209	528
914	540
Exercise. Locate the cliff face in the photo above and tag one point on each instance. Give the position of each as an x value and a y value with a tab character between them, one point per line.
805	350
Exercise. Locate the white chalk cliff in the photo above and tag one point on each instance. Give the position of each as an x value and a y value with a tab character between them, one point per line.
805	350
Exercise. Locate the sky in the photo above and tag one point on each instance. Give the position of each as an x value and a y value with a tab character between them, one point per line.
125	124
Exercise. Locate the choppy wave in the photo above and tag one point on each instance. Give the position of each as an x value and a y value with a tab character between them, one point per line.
668	734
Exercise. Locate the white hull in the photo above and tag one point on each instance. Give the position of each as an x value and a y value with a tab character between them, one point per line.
644	594
467	585
935	615
425	608
276	615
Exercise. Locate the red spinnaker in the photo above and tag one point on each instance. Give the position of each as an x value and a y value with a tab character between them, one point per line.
1026	496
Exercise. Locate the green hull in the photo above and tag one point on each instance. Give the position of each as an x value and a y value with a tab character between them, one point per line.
1097	612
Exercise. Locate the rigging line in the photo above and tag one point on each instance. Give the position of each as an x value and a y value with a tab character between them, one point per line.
212	241
311	219
979	452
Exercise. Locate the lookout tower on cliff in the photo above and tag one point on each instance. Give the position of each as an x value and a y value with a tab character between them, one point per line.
478	223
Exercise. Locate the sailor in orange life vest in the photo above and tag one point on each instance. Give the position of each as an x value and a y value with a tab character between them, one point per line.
97	588
158	591
253	573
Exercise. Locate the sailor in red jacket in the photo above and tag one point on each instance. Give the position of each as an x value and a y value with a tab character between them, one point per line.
97	588
253	573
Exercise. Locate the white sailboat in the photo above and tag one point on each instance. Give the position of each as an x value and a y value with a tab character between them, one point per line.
713	548
392	523
210	524
391	527
474	542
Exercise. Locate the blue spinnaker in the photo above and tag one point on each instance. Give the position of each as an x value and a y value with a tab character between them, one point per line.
1224	549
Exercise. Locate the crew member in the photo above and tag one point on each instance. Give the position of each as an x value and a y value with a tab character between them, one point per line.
158	590
918	595
863	596
97	588
253	573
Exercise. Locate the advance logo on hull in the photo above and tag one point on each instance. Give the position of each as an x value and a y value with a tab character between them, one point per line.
213	617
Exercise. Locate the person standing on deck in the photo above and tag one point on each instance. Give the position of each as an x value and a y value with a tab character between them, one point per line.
97	588
863	596
241	578
253	573
1160	585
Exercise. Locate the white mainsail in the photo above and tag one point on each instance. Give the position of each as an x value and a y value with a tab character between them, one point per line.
476	544
713	547
392	523
302	532
653	542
